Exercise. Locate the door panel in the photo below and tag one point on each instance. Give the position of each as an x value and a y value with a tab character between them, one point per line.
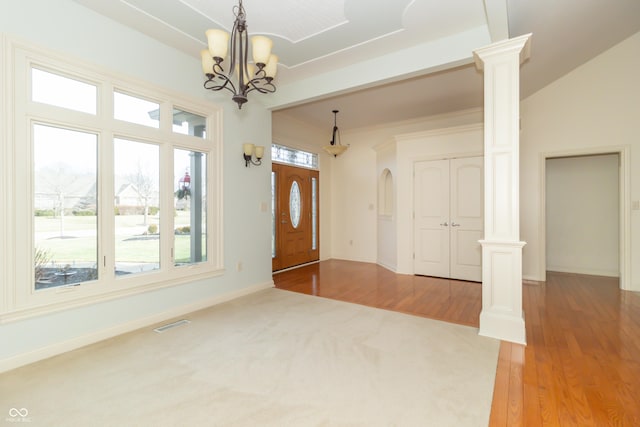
467	218
295	216
431	186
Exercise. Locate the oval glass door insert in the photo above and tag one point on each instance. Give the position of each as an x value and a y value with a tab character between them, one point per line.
294	204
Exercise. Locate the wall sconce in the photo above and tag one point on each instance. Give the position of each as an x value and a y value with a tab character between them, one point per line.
251	150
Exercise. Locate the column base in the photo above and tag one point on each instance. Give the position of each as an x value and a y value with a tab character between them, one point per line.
501	315
502	327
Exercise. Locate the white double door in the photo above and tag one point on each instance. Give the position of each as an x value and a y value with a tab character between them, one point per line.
448	218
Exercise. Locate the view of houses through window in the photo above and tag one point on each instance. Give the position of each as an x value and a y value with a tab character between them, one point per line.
71	244
65	216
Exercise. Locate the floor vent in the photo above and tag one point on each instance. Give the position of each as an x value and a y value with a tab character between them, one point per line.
163	328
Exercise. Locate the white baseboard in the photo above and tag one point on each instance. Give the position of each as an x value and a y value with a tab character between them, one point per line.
585	271
94	337
391	268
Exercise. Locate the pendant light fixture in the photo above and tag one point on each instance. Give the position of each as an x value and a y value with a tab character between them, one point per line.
335	148
249	77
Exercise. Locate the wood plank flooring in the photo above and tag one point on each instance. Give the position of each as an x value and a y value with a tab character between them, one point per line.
581	365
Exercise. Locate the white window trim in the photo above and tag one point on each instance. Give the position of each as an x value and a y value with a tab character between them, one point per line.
18	298
5	155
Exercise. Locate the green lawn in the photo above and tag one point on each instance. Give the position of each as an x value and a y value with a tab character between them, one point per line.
80	246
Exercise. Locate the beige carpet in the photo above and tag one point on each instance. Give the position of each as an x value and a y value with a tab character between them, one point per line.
274	358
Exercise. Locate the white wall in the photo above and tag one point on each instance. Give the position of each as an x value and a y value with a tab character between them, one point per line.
66	27
582	203
355	178
595	109
354	195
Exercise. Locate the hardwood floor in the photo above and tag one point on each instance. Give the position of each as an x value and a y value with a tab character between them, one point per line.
581	365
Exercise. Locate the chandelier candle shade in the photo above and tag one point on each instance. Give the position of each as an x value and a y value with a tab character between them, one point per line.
248	77
335	148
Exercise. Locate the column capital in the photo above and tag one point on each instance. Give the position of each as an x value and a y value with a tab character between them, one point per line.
521	45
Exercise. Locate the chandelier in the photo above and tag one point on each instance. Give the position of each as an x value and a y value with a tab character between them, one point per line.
335	148
248	77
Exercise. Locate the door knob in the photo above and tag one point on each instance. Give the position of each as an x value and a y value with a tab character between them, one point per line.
444	224
453	224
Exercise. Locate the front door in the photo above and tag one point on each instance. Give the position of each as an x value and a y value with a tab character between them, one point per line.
295	216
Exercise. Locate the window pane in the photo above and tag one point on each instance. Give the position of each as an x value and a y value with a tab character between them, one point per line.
137	221
64	92
65	210
273	214
190	178
189	124
136	110
314	214
294	157
294	204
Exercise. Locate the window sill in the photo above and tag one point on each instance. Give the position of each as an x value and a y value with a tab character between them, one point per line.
85	300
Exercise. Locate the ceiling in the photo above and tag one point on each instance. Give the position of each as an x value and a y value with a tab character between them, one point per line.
388	60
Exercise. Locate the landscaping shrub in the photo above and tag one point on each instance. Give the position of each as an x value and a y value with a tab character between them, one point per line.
44	212
183	230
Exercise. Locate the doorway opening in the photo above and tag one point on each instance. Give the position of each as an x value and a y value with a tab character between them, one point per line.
585	219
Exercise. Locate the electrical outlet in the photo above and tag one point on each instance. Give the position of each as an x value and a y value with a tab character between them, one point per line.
239	266
635	205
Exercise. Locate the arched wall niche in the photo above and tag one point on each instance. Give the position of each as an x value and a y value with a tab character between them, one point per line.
385	193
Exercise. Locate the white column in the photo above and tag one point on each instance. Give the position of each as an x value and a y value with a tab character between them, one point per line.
502	315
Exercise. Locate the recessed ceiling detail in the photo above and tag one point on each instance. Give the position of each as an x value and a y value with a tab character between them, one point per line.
292	20
436	19
331	48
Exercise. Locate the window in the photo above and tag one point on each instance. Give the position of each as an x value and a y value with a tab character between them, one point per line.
293	156
295	204
136	181
274	200
190	238
50	88
188	123
134	109
314	213
116	181
65	216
